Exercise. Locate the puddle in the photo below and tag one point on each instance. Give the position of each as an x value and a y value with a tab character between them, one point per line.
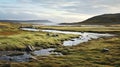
26	56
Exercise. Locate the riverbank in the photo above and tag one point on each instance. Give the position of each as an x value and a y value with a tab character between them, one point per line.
102	52
13	38
83	29
84	55
36	39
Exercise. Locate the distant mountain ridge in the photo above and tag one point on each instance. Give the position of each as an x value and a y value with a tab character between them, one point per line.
25	21
105	19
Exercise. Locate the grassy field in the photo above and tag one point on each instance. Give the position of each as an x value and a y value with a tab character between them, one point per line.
88	54
84	55
11	38
84	29
11	41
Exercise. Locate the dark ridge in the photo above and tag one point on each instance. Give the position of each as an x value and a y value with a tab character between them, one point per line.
25	21
105	19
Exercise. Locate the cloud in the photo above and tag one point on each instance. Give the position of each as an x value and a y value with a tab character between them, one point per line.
56	10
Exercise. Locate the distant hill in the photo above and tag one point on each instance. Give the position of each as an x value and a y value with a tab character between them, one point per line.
25	21
105	19
44	22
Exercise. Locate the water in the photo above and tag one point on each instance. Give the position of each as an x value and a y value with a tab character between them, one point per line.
29	29
46	52
84	37
26	56
20	58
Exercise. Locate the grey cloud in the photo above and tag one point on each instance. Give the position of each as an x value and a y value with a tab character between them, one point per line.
57	8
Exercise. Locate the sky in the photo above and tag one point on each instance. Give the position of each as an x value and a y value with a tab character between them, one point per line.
56	10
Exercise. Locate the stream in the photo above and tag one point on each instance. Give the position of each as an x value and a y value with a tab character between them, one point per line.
25	57
84	36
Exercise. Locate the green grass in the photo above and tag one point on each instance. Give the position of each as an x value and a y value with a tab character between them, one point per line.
39	39
84	29
11	38
83	55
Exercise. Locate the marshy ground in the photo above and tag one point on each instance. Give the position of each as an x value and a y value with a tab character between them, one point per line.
12	38
89	54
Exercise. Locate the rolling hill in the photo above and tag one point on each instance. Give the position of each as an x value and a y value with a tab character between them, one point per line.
25	21
105	19
44	22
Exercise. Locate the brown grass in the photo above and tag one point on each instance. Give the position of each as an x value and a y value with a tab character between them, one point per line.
6	33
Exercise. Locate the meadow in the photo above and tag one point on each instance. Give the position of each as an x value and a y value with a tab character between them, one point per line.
83	55
105	29
89	54
12	38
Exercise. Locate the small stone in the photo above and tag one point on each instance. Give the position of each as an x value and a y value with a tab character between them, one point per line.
105	50
30	48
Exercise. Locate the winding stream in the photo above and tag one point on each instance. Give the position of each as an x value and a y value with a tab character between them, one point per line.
84	37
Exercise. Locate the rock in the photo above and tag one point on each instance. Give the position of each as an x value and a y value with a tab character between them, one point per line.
105	50
30	48
48	34
33	58
77	37
10	59
16	54
72	40
55	35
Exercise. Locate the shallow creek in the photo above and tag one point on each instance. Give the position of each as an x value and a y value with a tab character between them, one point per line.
25	57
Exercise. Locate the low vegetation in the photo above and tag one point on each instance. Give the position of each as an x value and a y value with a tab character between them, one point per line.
38	39
88	54
84	55
15	39
84	29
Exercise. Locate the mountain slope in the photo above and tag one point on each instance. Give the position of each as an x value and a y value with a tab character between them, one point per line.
105	19
44	22
25	21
